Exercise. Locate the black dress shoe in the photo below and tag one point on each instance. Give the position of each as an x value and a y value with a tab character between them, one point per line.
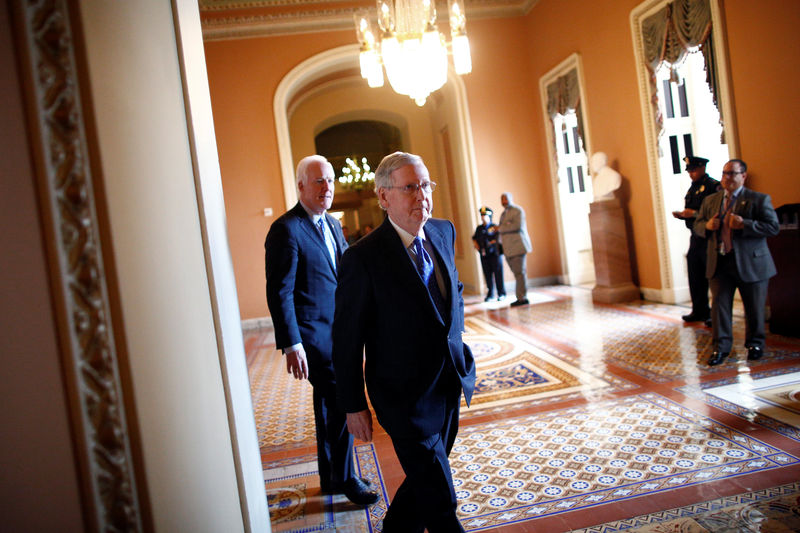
358	492
488	298
517	303
708	322
717	357
691	317
754	353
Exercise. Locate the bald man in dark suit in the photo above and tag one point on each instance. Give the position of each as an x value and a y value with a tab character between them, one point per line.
399	306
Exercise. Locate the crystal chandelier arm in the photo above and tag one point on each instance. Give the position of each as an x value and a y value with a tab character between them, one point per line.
386	15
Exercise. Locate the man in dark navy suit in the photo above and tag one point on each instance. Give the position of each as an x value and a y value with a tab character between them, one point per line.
399	306
737	221
303	248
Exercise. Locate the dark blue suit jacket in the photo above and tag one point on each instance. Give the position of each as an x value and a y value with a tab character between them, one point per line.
301	284
384	313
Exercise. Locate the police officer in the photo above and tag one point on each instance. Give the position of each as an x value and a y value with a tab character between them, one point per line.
485	241
702	186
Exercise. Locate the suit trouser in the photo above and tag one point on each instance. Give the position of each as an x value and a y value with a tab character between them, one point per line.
493	272
754	297
334	442
698	283
426	498
517	266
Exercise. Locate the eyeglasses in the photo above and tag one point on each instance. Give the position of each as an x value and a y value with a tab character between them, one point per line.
731	172
412	188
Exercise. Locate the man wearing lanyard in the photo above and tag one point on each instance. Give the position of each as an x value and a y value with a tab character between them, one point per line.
736	222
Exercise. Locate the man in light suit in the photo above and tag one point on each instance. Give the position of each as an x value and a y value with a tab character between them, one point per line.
303	248
516	243
399	305
737	221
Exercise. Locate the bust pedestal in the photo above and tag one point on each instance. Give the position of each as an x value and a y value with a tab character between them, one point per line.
612	264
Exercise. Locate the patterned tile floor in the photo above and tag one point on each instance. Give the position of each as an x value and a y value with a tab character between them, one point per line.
593	418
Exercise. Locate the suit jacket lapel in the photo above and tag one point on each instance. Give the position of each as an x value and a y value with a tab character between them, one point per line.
313	233
440	245
404	271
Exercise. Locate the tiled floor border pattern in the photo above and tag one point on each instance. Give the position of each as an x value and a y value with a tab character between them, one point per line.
752	510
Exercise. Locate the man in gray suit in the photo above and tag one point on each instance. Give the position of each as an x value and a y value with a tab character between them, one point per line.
736	222
516	243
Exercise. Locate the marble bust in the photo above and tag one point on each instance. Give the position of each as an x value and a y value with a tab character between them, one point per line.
605	180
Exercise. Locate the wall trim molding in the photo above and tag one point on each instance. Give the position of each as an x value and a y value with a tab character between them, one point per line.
72	207
305	20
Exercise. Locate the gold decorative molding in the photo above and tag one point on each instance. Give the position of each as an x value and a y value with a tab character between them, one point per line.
220	19
70	214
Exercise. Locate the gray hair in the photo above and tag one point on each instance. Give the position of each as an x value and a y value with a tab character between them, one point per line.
302	167
509	197
390	163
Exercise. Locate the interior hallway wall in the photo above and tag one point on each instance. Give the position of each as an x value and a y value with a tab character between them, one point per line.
762	43
509	57
243	75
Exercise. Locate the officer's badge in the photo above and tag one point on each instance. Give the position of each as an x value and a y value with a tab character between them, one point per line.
702	188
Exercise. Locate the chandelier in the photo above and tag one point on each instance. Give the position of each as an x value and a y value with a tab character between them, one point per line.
411	48
356	177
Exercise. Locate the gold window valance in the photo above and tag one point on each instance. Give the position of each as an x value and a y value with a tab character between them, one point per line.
563	96
669	34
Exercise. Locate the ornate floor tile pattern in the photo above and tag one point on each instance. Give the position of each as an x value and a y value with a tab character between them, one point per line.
513	371
775	509
613	334
297	504
648	360
576	458
755	412
284	420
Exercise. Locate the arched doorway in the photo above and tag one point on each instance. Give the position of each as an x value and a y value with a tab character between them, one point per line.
326	90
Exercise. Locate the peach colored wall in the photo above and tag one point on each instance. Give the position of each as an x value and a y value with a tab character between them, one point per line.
762	42
509	141
243	76
600	33
764	47
509	56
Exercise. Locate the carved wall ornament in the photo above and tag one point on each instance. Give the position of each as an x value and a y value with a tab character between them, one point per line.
90	359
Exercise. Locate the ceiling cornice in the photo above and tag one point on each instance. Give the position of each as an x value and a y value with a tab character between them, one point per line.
224	19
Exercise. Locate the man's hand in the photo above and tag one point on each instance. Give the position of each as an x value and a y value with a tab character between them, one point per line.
686	213
360	425
735	221
296	363
713	223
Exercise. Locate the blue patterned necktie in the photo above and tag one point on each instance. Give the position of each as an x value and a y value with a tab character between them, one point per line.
326	240
425	269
